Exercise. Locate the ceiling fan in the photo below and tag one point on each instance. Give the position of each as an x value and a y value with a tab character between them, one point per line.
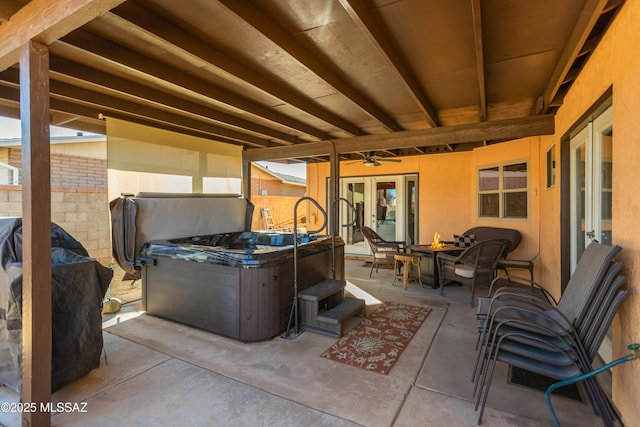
370	159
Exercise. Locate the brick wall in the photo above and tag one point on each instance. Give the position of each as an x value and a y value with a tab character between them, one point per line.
83	213
68	171
275	188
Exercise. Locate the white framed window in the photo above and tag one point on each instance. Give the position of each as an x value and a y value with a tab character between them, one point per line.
503	191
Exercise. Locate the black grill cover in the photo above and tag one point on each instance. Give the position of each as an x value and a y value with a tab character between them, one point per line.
79	284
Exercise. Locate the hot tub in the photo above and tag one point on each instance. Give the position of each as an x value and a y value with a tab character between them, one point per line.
236	283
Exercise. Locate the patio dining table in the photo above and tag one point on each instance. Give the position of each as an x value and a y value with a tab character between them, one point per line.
428	265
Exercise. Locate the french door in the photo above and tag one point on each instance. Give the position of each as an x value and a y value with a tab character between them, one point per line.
386	204
591	192
591	189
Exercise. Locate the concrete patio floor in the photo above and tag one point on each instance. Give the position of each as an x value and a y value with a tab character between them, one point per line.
160	373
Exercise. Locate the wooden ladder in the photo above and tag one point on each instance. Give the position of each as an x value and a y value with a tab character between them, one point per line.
268	219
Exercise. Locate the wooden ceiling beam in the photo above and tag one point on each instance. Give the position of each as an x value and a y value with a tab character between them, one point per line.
8	8
181	81
111	104
71	107
500	130
162	100
479	49
171	33
12	109
359	11
311	149
275	33
106	104
59	119
45	21
581	30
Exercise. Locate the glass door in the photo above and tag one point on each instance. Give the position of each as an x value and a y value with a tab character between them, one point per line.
386	204
580	217
388	212
592	192
356	191
602	177
411	213
591	189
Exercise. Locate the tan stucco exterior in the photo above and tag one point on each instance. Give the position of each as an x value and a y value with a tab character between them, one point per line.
447	189
447	185
615	63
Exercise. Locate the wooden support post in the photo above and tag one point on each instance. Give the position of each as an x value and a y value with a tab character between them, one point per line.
36	232
246	179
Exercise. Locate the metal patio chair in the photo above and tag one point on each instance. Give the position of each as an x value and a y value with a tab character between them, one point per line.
557	340
536	348
475	265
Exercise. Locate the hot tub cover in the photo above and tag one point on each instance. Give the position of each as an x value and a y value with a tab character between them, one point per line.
240	249
79	284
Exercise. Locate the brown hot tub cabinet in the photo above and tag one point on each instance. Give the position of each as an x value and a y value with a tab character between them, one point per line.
248	298
221	277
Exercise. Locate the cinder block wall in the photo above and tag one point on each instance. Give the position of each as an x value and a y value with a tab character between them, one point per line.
82	212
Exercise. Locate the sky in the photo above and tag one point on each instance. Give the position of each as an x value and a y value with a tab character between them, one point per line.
10	128
294	169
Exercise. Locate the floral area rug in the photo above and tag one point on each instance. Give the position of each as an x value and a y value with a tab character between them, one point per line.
379	340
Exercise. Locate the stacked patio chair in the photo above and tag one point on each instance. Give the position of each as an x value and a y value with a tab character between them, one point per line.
558	340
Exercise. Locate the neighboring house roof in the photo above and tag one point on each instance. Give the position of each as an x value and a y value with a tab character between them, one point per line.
286	179
290	179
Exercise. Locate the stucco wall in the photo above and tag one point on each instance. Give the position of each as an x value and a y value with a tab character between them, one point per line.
615	63
448	189
444	195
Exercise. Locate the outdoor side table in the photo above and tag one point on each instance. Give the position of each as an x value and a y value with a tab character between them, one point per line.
428	265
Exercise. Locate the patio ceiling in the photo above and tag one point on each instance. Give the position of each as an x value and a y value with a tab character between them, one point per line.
282	77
